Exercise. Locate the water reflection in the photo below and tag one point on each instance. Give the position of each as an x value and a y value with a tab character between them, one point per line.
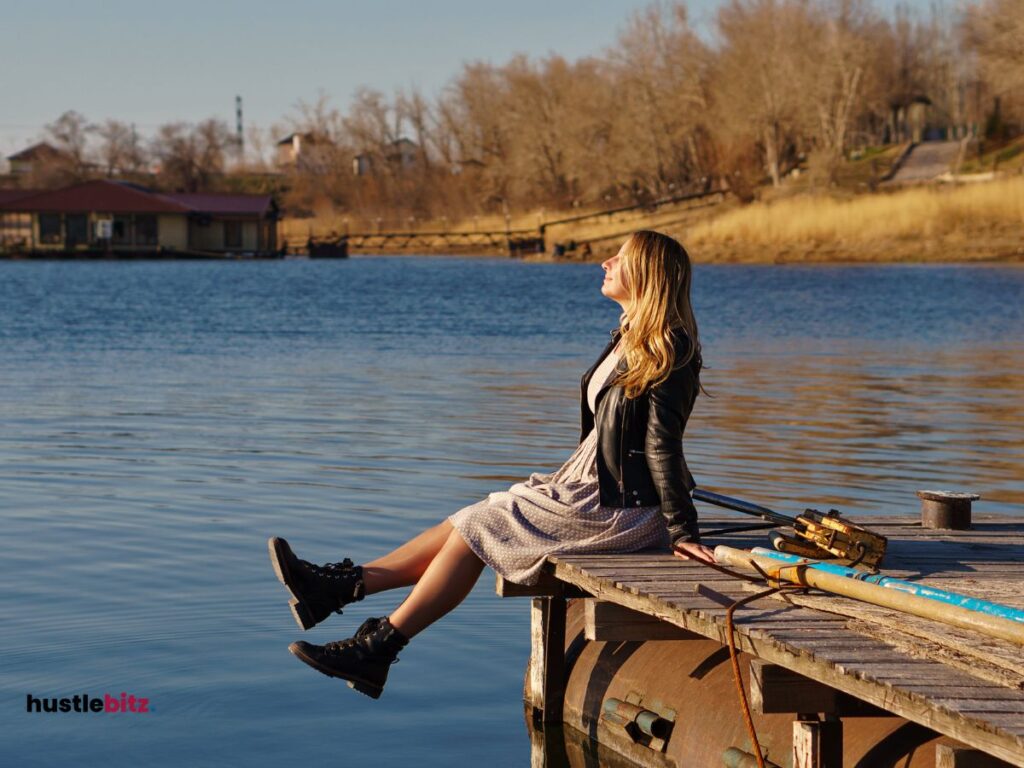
829	430
554	745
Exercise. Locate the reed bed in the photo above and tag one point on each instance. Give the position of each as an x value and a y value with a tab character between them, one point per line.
916	213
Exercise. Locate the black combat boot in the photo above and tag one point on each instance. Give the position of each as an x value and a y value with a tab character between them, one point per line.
363	660
317	590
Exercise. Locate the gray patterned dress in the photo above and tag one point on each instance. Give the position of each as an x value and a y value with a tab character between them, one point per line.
558	513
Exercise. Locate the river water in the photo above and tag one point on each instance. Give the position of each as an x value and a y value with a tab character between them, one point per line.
162	419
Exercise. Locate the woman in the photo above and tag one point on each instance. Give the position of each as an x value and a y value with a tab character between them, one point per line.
625	488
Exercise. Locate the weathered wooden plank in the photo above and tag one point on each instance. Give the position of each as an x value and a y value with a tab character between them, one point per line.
547	586
981	705
668	575
981	661
939	689
700	593
633	558
608	621
990	658
853	654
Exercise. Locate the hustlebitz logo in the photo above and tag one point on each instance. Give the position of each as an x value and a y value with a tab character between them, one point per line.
125	703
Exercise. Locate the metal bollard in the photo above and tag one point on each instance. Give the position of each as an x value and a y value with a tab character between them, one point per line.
946	509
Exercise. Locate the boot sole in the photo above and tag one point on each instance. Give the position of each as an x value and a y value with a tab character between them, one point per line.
363	686
278	558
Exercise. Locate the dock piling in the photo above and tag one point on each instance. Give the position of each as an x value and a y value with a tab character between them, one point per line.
547	659
818	743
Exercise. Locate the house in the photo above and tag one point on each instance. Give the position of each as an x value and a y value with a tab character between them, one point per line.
35	158
304	152
400	155
114	218
289	149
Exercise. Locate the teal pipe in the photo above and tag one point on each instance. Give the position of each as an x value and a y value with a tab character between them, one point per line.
734	757
902	585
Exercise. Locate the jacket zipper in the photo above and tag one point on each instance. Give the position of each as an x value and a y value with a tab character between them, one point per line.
622	434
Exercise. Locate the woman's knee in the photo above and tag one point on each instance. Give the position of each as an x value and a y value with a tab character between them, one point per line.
458	545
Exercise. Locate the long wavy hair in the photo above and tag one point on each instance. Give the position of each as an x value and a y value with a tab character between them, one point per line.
658	275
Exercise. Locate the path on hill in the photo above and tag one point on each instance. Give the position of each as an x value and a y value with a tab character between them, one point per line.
926	161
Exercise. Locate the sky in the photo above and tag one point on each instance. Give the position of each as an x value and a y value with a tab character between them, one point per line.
147	63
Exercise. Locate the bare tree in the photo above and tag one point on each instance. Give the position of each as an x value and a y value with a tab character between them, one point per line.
70	133
837	49
213	140
995	30
318	118
120	151
414	110
472	113
661	75
757	67
191	157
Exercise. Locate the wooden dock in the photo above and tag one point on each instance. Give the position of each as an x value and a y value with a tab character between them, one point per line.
955	682
513	242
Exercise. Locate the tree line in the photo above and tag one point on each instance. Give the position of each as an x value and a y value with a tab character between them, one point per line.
781	84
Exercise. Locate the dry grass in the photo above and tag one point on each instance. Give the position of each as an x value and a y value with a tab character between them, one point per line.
916	215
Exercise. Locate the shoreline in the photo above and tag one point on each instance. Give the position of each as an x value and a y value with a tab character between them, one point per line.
808	258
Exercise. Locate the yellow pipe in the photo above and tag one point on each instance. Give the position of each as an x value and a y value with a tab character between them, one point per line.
806	575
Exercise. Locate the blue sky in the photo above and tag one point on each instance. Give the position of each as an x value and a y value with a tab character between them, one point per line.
148	62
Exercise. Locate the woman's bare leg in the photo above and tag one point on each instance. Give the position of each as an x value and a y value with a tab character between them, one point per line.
445	583
405	565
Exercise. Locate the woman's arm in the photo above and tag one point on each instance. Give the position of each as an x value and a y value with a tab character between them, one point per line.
669	407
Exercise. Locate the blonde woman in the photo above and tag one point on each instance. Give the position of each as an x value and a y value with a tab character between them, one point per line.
625	488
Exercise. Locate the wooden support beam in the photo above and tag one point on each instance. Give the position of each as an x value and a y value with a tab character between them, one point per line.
776	690
610	621
949	756
818	743
546	586
547	658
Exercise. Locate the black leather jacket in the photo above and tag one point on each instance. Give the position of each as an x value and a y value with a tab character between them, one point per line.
640	441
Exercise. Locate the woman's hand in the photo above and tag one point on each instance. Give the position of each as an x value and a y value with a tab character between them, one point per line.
689	550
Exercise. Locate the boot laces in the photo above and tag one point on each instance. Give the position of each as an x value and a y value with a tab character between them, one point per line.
334	570
367	628
344	572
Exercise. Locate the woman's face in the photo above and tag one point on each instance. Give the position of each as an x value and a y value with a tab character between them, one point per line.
616	283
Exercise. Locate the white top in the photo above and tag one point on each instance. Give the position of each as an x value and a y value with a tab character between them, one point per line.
601	375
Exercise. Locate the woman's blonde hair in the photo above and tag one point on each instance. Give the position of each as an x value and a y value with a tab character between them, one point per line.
658	274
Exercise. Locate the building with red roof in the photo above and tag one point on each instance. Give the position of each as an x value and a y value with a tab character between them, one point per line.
115	218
